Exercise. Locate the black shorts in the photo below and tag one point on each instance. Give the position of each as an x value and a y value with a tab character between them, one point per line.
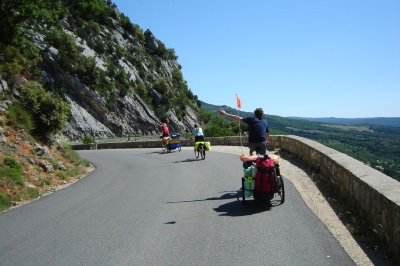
199	138
259	147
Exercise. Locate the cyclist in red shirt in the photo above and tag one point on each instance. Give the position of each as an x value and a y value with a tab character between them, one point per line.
165	129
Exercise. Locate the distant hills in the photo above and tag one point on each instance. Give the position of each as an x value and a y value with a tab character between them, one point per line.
373	141
382	121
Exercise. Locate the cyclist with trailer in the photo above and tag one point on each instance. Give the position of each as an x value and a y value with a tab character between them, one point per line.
165	130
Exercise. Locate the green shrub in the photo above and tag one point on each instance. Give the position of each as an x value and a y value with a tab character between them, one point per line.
12	62
46	181
162	86
216	131
20	117
87	71
143	92
85	163
32	193
5	202
12	163
62	175
16	177
11	176
49	113
99	46
70	154
93	28
88	140
53	162
73	172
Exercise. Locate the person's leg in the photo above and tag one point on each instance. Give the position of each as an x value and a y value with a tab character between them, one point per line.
251	147
259	148
196	139
166	136
262	150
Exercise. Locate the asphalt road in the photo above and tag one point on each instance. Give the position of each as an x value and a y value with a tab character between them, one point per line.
147	207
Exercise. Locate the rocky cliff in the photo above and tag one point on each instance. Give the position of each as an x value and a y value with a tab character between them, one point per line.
110	72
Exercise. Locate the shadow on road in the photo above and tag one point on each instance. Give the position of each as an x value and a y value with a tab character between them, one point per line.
162	152
236	208
189	160
228	195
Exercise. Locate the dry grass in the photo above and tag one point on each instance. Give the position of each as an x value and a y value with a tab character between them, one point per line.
38	182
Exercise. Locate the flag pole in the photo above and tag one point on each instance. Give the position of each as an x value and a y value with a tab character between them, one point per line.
239	105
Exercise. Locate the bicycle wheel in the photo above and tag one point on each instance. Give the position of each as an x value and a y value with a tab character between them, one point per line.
203	151
196	151
280	187
162	146
243	190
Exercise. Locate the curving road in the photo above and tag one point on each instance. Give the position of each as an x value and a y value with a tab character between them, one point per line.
147	207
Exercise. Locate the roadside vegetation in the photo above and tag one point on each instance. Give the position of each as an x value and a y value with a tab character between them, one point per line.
29	170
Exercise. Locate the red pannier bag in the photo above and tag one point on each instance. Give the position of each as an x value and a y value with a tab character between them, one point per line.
264	179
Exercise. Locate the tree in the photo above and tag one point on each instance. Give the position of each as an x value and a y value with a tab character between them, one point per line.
215	126
162	86
49	113
96	10
204	116
13	13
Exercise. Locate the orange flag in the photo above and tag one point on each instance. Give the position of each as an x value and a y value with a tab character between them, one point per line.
239	104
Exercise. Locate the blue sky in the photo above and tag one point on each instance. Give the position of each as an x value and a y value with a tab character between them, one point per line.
322	58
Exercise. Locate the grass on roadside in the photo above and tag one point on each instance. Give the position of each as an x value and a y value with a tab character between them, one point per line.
73	156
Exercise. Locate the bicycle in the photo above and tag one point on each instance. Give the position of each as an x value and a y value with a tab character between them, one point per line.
248	181
201	150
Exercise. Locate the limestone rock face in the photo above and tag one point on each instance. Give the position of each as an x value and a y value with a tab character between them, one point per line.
130	115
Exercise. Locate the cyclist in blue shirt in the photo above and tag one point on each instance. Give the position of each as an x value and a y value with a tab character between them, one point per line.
198	133
258	130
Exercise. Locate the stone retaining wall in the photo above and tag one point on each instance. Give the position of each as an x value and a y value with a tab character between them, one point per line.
371	194
220	141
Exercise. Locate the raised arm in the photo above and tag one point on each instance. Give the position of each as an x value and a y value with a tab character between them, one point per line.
234	117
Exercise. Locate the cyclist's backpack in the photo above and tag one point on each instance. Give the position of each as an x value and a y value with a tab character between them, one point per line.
265	179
